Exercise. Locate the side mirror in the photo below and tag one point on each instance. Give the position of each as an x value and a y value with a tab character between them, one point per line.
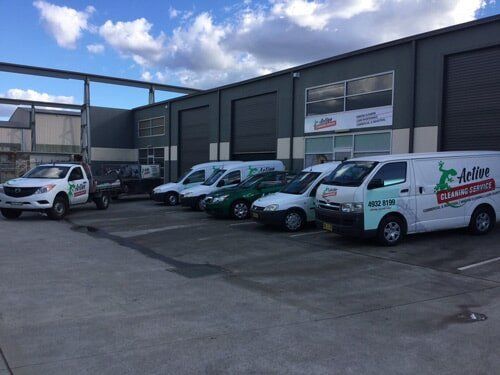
375	184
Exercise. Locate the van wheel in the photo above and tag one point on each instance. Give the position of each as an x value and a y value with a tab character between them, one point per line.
294	221
240	210
10	213
102	202
59	208
200	204
171	199
482	220
391	231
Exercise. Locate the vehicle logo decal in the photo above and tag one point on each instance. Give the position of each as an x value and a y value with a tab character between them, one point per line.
329	192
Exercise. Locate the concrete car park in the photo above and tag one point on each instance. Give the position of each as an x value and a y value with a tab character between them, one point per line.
144	287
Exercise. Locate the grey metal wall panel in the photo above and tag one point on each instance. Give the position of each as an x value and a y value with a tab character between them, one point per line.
254	125
111	127
194	137
471	104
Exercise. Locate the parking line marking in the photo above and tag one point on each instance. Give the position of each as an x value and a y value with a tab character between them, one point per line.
308	233
478	264
136	233
245	223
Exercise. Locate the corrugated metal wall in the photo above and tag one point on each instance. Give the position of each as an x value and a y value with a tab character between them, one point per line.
194	137
57	133
12	139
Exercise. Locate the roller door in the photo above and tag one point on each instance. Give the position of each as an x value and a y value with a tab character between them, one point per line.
254	128
471	101
194	137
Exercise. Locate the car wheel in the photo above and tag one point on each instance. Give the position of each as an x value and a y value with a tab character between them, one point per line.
391	231
240	210
482	220
59	208
10	213
294	221
201	204
102	202
171	199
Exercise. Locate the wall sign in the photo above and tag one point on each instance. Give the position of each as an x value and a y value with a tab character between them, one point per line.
357	119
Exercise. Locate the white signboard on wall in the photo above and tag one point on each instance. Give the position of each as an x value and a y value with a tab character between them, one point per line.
357	119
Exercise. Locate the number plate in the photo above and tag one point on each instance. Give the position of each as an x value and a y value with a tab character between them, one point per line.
327	226
255	215
16	203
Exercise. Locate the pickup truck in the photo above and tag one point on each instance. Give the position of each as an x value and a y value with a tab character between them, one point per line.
53	189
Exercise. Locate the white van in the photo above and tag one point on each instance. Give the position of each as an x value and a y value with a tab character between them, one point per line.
169	193
229	176
390	196
293	206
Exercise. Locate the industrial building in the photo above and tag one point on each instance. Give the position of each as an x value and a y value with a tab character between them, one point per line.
435	91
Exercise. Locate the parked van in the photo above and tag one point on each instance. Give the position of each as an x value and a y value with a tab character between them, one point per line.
293	206
229	176
169	193
394	195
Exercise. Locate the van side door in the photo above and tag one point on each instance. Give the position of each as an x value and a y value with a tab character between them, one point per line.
78	186
391	189
433	177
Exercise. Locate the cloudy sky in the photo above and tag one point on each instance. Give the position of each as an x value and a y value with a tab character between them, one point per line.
198	44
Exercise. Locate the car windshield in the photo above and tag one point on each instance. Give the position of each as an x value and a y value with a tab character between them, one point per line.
300	183
350	173
51	171
184	175
214	177
252	180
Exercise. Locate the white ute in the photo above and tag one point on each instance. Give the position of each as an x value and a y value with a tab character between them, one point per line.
390	196
196	175
52	189
293	206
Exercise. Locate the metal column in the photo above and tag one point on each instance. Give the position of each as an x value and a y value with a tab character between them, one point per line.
33	128
85	128
151	95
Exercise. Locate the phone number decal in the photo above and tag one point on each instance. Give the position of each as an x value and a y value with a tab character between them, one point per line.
382	203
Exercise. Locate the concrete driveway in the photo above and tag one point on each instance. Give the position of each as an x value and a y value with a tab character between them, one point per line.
144	288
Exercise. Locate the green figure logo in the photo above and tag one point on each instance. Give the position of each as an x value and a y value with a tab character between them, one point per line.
252	171
71	190
446	178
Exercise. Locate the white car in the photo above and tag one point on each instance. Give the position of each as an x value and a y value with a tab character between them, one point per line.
293	206
52	189
390	196
229	176
169	193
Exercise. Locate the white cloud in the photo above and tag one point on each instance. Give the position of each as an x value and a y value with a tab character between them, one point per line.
6	110
95	48
255	39
173	13
147	76
63	23
133	39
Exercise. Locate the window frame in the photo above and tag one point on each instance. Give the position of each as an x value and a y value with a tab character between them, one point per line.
150	128
388	163
150	153
306	102
77	168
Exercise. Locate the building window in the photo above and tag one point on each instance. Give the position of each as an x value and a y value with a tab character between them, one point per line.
359	93
152	127
153	155
341	147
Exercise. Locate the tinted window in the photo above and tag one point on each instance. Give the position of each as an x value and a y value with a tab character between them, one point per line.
376	99
326	106
76	174
350	173
369	84
325	92
198	176
232	178
47	172
214	177
300	183
392	173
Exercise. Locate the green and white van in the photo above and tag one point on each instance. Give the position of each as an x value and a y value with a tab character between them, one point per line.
394	195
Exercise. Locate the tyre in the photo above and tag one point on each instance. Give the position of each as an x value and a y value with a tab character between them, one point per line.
171	199
391	231
200	204
240	210
294	221
10	213
102	202
59	208
482	220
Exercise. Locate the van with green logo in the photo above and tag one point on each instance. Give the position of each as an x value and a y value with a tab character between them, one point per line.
393	195
236	202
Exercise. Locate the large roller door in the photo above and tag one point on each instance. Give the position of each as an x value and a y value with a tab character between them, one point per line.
194	137
254	128
471	101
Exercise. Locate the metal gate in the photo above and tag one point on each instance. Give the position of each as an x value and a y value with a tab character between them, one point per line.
471	105
194	137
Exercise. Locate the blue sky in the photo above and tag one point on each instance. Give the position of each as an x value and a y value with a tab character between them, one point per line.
197	43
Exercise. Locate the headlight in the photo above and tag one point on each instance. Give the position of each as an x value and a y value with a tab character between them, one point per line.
271	207
187	194
352	207
220	198
1	189
45	189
